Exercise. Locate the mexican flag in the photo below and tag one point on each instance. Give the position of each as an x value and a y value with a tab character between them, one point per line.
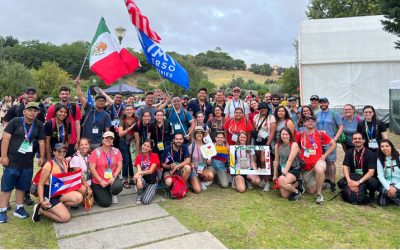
106	59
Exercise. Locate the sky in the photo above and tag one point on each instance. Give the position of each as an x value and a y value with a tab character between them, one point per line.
256	31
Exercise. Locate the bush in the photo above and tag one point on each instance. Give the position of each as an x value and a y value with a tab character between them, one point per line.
152	75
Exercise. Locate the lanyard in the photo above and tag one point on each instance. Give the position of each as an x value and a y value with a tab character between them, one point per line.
233	102
215	123
172	154
312	140
115	111
94	117
85	159
323	118
145	163
107	158
144	135
61	166
259	125
370	133
202	107
162	132
28	134
358	161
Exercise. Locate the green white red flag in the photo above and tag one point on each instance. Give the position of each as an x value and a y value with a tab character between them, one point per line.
106	59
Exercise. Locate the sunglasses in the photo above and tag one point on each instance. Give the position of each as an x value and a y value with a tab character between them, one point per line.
61	151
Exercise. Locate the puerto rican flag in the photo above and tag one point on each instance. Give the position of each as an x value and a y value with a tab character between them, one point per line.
63	183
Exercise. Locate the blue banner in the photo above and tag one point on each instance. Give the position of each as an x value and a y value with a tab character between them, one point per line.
165	65
89	97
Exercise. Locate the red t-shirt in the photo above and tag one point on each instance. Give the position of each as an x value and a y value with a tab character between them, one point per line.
153	158
98	157
233	127
78	116
305	142
251	116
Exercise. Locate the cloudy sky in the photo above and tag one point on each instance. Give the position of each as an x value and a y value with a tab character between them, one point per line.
256	31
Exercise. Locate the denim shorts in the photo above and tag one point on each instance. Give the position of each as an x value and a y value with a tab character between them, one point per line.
20	179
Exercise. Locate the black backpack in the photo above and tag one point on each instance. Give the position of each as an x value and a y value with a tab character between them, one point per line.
355	198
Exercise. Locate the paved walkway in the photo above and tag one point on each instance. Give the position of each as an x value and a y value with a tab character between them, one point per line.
129	225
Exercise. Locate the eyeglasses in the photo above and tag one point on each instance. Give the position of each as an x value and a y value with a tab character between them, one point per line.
61	151
367	112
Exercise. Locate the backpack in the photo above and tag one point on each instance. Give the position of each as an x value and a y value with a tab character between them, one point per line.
98	153
355	198
179	188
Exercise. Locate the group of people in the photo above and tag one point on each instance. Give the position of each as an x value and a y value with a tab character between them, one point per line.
116	145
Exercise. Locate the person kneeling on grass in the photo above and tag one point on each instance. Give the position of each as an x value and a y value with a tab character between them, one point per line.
218	162
55	208
146	176
286	157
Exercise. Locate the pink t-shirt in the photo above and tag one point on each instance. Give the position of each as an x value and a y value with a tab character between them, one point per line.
101	161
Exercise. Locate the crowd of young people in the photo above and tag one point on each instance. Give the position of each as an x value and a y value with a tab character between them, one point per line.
118	144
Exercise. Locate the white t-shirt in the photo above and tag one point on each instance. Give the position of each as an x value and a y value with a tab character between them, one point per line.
232	105
79	161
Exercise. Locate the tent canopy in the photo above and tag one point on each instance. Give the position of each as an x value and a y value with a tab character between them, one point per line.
123	89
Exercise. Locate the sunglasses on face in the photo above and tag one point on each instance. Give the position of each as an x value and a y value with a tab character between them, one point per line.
61	151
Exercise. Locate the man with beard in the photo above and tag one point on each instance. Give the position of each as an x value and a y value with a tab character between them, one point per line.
219	101
185	101
231	106
74	117
331	122
293	110
314	104
275	101
182	121
200	105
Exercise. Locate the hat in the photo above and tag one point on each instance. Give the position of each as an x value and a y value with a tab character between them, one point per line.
236	88
262	105
291	99
32	105
309	117
198	128
59	146
314	97
185	97
30	89
108	134
323	99
100	97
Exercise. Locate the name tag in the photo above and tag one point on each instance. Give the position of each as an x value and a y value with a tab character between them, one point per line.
263	133
177	126
108	173
313	152
373	144
25	147
234	137
359	171
306	153
115	123
200	168
160	146
95	130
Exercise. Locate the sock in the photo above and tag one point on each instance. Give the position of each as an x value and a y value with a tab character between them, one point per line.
18	206
3	209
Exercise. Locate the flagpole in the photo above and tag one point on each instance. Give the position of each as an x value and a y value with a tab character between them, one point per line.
84	61
50	186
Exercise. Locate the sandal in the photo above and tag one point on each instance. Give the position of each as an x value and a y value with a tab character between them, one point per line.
126	184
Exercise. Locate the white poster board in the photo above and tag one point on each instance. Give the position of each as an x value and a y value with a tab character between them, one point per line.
235	169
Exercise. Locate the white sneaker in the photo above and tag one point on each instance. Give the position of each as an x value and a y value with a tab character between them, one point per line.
139	200
249	185
203	186
208	183
262	183
266	187
114	199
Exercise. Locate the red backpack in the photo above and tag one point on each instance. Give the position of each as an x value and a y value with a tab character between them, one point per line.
179	188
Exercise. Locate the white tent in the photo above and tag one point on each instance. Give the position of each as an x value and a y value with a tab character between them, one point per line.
348	60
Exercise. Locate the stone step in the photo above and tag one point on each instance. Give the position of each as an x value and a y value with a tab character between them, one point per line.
124	201
127	236
95	222
127	191
203	240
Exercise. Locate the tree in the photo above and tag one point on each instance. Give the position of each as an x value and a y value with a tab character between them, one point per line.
14	78
320	9
49	78
290	81
391	10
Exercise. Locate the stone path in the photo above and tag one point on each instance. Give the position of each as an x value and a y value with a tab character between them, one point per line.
129	225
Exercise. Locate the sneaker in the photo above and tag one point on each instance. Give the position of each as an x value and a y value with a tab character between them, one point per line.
208	183
249	185
300	186
3	217
139	200
21	213
294	196
28	200
320	199
266	187
114	199
36	215
333	187
262	183
203	186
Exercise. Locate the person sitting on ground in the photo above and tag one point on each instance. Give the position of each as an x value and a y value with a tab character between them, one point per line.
146	163
105	165
287	160
201	175
313	169
388	167
245	159
55	208
218	162
361	162
81	161
176	160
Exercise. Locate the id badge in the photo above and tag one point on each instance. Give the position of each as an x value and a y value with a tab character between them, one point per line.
234	137
25	147
373	144
263	134
359	171
177	126
200	168
95	130
160	146
108	173
313	152
115	123
306	153
283	166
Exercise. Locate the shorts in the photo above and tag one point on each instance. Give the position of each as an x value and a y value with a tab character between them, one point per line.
295	172
54	200
17	178
218	165
332	156
309	177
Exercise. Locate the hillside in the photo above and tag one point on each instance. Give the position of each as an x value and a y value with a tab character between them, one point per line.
220	77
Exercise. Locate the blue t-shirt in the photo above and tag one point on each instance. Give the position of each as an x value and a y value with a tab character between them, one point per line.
349	128
329	121
93	120
185	119
195	107
143	108
170	156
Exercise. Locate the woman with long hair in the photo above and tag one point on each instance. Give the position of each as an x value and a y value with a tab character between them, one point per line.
216	123
58	129
200	121
388	168
350	122
142	130
373	129
306	111
287	164
283	120
254	110
161	134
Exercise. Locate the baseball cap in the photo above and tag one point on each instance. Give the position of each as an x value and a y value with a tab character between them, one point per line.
199	128
323	99
30	89
314	97
108	134
236	88
309	117
185	97
291	99
32	105
100	97
59	145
